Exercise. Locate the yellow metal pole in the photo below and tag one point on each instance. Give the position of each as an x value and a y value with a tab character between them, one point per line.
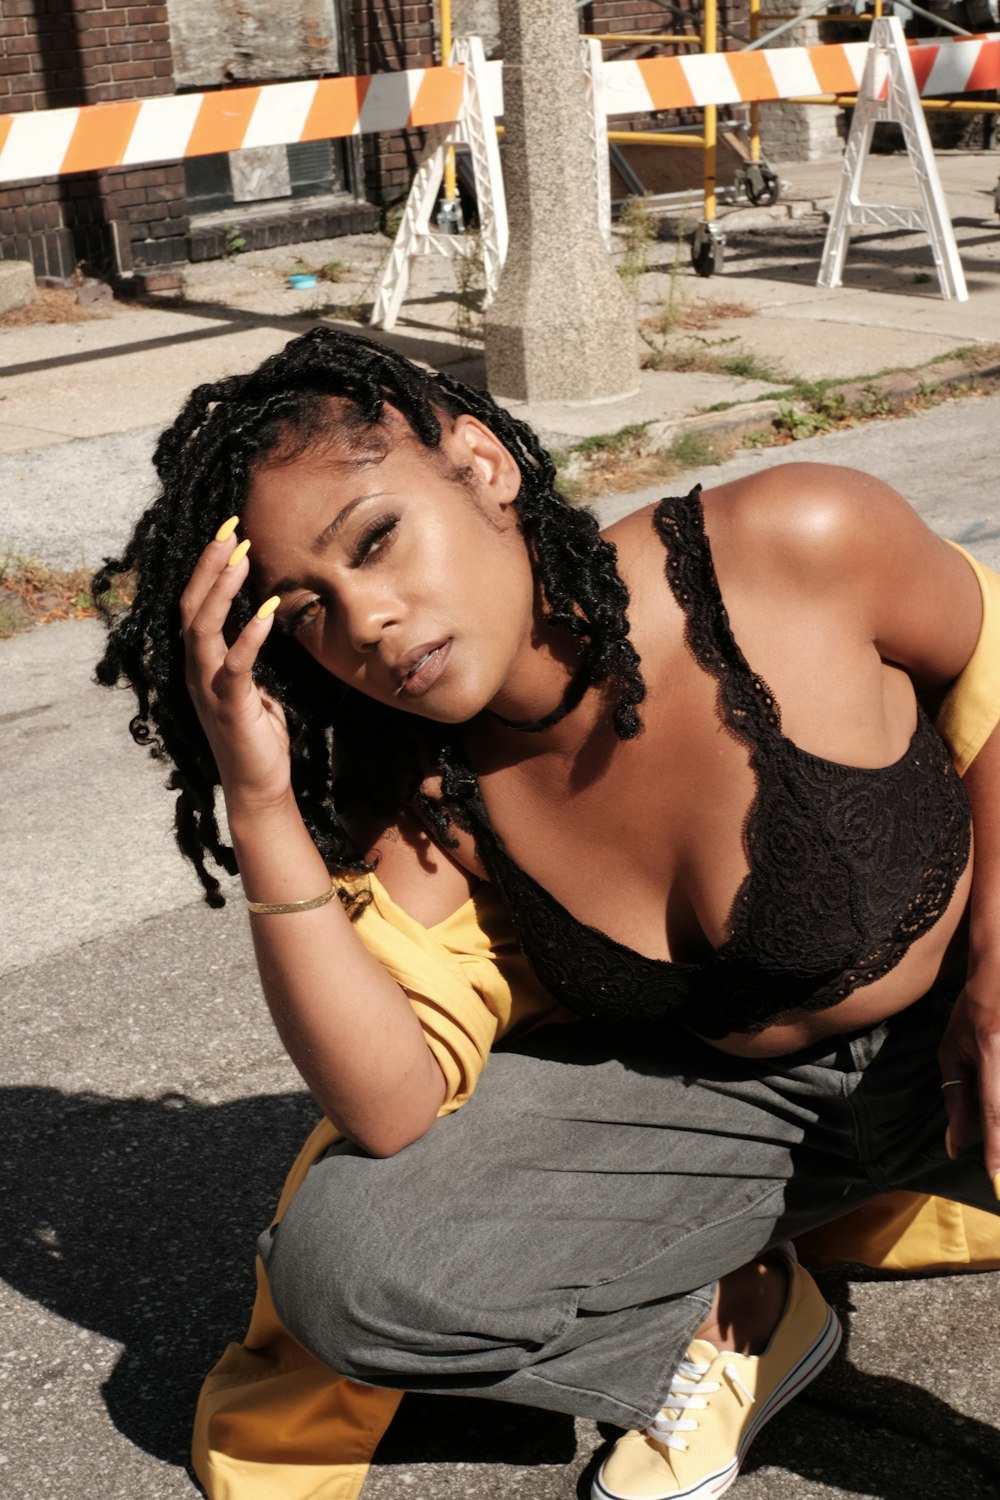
711	44
450	182
755	107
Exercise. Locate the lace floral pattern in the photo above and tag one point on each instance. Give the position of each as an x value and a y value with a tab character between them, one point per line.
847	866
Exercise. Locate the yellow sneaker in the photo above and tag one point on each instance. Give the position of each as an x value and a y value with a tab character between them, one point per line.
717	1404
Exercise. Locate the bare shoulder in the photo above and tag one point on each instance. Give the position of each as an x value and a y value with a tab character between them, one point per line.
810	524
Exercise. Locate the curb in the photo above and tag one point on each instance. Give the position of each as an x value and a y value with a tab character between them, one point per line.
757	416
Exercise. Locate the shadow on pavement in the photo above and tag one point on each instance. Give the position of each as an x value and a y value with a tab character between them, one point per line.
137	1219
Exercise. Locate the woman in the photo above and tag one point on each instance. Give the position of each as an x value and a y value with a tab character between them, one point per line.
767	914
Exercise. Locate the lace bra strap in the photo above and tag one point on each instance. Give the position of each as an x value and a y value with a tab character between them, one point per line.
747	705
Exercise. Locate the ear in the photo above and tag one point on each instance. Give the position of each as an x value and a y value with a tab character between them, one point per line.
470	442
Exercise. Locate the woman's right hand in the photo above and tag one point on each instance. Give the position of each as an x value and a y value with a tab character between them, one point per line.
244	726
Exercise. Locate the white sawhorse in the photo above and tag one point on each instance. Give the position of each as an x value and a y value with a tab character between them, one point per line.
888	91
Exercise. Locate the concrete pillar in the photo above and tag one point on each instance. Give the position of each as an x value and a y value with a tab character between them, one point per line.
562	327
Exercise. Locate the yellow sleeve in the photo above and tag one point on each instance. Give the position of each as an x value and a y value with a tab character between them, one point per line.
970	709
466	979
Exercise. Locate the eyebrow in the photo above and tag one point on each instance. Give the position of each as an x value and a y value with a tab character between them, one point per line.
328	535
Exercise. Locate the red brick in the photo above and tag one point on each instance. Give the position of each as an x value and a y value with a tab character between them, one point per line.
13	8
135	34
150	177
20	46
160	33
134	70
163	68
115	18
92	40
14	27
118	54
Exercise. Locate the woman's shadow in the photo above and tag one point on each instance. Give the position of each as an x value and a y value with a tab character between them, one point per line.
137	1219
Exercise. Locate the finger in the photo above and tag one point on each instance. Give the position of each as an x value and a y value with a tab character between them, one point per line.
961	1103
959	1091
204	629
241	657
989	1105
210	565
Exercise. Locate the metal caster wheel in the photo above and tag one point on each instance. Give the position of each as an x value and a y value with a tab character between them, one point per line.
707	250
761	185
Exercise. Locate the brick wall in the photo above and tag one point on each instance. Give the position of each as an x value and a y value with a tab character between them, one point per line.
59	53
389	36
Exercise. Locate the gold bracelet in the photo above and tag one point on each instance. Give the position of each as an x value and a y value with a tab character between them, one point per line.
278	908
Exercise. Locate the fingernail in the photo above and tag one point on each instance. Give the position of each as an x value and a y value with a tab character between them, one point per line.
996	1184
268	607
949	1146
227	528
239	554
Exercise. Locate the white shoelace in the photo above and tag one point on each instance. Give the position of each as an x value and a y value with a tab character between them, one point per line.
687	1393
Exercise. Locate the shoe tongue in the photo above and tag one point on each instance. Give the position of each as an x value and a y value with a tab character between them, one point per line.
701	1352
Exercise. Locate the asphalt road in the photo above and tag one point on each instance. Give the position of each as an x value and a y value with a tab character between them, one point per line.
148	1112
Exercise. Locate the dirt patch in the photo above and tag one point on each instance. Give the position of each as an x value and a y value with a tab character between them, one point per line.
56	305
32	594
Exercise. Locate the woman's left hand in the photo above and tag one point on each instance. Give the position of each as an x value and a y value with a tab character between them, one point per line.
970	1067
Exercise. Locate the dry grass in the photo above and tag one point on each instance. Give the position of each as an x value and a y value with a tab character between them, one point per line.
33	594
697	317
54	305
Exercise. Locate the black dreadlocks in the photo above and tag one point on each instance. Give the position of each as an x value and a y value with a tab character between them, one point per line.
205	463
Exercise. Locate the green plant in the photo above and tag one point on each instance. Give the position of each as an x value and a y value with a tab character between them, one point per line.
693	450
747	366
603	443
798	423
639	228
470	287
236	240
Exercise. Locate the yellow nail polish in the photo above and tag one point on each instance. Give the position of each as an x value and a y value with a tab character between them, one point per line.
227	528
239	554
268	607
996	1184
949	1146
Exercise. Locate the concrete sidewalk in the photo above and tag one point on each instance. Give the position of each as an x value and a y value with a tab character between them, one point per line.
149	1112
132	368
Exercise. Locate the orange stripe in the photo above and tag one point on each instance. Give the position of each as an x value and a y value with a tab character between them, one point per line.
665	80
439	97
101	136
6	123
923	59
986	71
336	108
834	73
753	77
222	121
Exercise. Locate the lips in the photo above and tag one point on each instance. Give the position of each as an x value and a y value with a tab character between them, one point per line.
421	668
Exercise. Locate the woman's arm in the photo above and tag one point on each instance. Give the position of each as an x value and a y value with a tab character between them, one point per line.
348	1027
841	531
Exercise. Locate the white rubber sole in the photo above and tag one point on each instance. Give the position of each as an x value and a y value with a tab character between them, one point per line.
813	1362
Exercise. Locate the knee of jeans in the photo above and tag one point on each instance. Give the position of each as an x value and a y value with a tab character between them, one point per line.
325	1263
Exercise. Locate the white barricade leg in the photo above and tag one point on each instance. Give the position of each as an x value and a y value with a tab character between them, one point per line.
888	91
597	115
476	128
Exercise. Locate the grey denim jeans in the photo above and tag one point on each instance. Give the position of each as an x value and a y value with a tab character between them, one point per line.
557	1240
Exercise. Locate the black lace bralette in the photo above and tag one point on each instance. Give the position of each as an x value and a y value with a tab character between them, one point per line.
847	866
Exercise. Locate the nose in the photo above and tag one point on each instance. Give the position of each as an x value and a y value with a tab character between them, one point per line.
369	612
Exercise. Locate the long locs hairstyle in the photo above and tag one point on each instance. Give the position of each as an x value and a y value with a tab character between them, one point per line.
349	754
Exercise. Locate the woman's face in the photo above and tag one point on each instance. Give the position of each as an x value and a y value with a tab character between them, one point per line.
408	583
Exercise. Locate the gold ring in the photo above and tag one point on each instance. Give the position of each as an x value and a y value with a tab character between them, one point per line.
953	1083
